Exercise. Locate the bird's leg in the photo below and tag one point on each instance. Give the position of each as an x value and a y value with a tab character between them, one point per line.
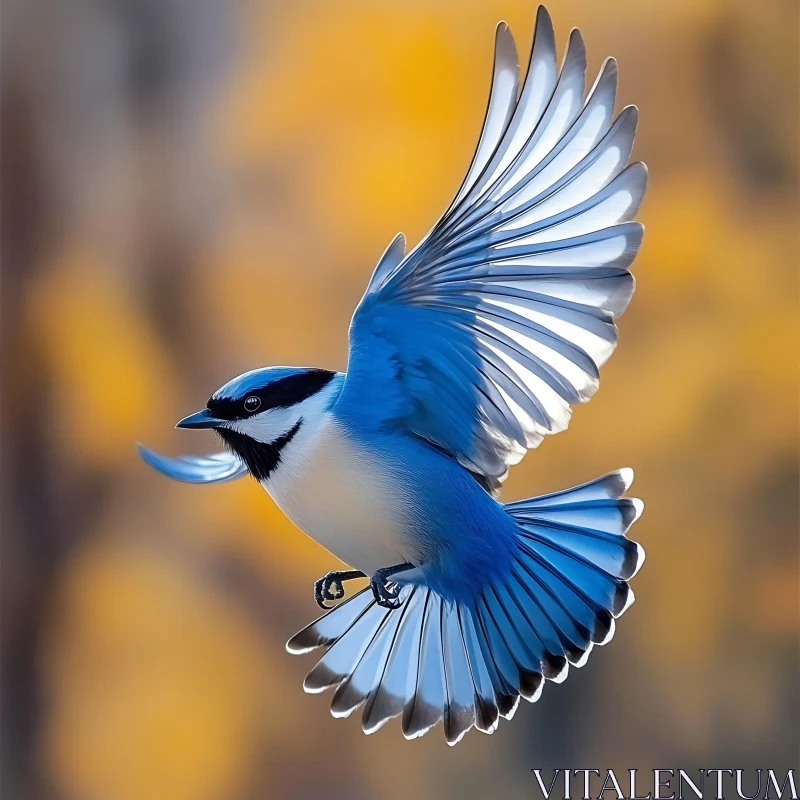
384	596
329	587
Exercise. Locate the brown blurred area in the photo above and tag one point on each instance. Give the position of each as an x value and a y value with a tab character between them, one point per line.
192	188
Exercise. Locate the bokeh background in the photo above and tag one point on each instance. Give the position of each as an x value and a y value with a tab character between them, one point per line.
192	188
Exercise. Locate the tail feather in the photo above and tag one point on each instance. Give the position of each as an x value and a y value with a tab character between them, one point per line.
330	627
530	600
500	665
469	663
459	710
610	486
387	697
486	710
346	652
425	697
356	686
521	663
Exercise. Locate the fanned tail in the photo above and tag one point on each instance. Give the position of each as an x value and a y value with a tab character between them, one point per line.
469	663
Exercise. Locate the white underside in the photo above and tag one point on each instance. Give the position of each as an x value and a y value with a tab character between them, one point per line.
338	493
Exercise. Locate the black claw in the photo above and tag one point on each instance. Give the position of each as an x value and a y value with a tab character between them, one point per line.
331	587
384	596
319	594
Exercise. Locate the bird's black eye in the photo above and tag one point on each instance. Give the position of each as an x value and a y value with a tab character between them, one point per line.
252	404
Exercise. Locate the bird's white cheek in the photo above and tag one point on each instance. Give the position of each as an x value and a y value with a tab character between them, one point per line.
267	426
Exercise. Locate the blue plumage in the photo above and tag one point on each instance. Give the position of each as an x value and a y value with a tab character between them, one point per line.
214	468
253	380
464	354
543	610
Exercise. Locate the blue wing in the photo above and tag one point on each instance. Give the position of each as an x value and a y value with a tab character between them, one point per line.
481	338
214	468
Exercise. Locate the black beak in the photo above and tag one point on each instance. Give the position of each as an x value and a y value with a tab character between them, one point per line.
202	419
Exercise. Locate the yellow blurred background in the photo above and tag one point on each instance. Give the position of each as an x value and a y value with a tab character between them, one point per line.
192	188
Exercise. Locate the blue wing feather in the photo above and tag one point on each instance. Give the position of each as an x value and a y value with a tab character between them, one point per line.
480	339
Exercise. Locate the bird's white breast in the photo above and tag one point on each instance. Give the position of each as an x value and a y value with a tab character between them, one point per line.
340	493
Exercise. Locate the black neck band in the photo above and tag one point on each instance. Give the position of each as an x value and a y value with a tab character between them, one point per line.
261	458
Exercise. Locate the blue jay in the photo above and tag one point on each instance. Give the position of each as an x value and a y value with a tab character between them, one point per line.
464	353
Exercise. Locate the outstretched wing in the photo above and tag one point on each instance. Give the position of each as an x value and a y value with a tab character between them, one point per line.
214	468
482	336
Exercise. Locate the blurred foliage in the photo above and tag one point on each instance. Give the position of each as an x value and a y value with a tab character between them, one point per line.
192	189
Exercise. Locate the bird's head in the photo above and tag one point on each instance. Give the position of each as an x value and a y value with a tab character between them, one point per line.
259	412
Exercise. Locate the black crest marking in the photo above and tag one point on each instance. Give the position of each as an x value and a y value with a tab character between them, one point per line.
261	458
281	393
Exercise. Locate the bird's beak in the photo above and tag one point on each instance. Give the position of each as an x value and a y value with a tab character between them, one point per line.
202	419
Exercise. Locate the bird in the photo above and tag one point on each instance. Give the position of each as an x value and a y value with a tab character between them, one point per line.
464	353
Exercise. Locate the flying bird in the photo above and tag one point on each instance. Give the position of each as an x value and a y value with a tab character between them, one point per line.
464	354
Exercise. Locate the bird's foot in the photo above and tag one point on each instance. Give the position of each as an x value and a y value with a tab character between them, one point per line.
385	595
330	587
